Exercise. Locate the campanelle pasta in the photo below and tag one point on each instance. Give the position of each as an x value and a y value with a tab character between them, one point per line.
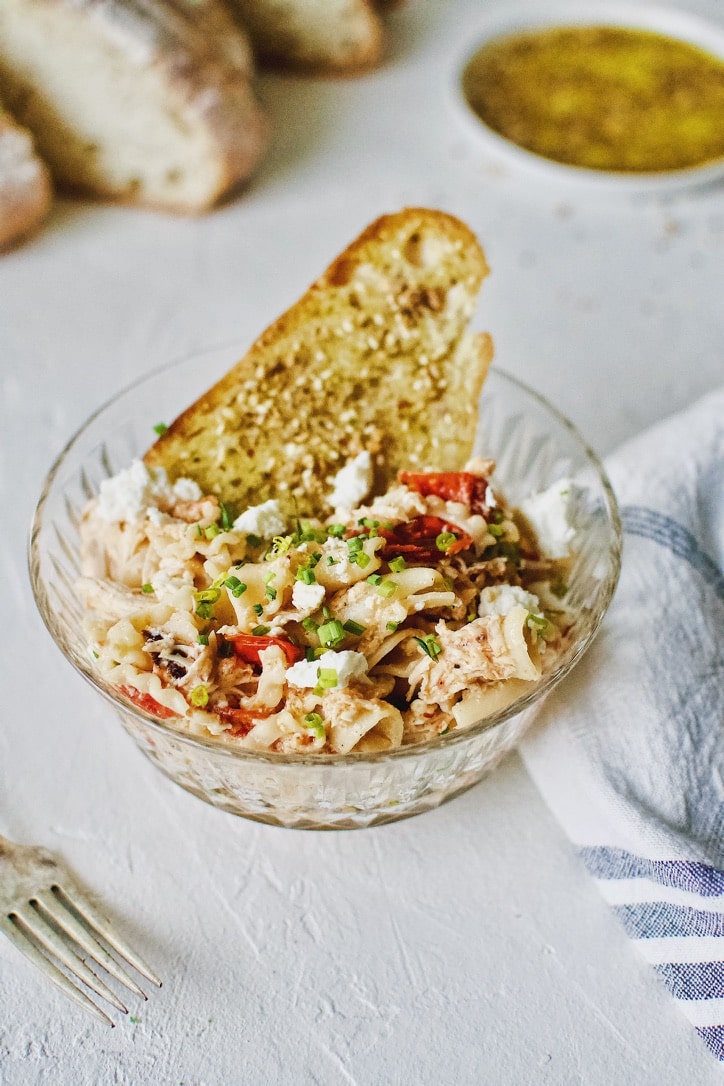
423	611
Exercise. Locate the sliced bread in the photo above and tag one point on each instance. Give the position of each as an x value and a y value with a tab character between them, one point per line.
376	356
146	101
314	35
25	189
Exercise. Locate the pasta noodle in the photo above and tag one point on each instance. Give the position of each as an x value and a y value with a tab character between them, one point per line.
422	612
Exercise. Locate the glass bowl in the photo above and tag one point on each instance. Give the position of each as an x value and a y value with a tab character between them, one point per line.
534	446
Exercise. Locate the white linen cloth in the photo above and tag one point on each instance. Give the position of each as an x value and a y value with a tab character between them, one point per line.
629	751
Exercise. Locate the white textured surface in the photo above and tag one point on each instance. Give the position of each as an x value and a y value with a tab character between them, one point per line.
467	945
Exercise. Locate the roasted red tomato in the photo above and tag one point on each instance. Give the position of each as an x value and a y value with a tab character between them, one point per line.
417	539
241	720
147	703
451	486
248	647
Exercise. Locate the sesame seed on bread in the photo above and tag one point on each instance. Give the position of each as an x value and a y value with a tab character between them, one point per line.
376	356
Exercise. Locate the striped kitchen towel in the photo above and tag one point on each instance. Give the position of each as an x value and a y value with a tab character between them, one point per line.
629	751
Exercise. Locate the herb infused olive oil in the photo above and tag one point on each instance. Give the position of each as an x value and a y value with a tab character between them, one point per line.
602	97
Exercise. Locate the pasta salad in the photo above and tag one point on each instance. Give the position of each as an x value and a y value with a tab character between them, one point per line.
388	624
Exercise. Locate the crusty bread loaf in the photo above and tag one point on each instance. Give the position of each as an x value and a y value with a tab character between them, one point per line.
147	101
25	189
375	356
314	35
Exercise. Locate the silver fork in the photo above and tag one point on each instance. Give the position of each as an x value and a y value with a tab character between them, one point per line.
44	914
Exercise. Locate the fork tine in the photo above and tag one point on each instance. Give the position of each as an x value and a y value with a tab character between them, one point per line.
18	938
31	922
102	926
64	919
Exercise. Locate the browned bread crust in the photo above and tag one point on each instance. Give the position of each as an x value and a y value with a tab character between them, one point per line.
25	188
141	101
320	37
375	356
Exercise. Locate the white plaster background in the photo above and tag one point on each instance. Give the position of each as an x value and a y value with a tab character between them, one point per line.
467	945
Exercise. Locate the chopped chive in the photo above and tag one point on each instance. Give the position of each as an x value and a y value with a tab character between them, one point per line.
310	625
326	612
331	633
392	626
361	559
367	522
353	627
374	578
235	586
228	516
259	631
271	593
147	588
331	561
336	530
387	588
203	639
199	696
315	723
212	530
397	564
208	595
199	532
258	609
496	530
305	575
429	645
160	428
253	541
445	540
205	610
471	616
327	678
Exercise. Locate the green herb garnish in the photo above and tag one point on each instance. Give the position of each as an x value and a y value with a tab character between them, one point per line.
387	588
260	631
429	645
147	588
331	633
160	428
353	627
199	696
235	586
445	540
397	564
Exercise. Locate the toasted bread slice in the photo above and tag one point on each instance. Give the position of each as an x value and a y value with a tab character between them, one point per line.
376	356
336	36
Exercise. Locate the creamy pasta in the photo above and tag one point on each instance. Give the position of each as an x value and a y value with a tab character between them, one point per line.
423	611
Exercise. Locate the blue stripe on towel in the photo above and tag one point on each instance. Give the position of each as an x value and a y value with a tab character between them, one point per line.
714	1038
693	980
638	520
659	919
616	863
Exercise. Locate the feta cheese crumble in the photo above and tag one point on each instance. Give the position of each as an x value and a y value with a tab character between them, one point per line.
308	597
135	493
548	514
500	599
347	664
265	520
353	482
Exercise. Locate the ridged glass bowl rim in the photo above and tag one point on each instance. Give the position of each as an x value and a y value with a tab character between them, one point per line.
414	750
